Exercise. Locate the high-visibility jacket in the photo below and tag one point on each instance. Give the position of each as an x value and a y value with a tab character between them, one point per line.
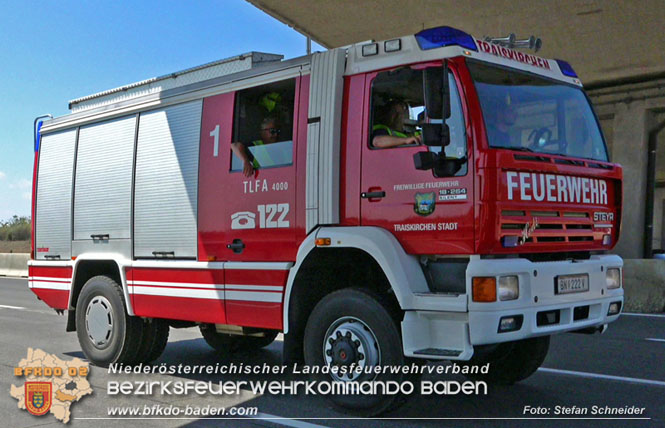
391	132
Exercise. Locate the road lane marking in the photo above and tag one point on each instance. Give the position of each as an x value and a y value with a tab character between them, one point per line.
20	308
644	315
653	339
603	376
279	420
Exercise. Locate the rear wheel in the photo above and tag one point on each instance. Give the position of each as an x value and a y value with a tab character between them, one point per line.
354	328
222	342
513	361
105	332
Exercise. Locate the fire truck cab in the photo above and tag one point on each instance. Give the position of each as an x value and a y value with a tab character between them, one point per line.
433	196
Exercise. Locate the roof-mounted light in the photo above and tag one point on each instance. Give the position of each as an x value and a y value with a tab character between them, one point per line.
370	49
444	36
392	45
566	69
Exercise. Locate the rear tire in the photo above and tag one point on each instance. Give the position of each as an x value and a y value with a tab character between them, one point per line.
105	332
513	361
221	342
354	326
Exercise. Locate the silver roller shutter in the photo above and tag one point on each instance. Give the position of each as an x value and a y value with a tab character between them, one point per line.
323	137
102	200
166	189
53	222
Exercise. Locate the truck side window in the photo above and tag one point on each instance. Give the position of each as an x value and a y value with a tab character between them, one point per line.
263	126
398	108
397	101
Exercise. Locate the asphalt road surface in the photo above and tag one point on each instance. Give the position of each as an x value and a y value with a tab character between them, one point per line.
623	367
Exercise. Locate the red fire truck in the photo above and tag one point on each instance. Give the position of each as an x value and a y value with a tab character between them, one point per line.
428	197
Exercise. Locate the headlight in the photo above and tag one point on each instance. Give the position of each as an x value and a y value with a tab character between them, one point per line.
613	278
509	287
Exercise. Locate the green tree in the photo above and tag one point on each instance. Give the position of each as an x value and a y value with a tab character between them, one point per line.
15	229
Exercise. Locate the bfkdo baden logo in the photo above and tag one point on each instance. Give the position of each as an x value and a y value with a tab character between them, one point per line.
51	385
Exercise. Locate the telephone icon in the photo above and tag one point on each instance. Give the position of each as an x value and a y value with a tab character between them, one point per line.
243	220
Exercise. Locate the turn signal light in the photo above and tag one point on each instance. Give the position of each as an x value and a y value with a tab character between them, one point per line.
322	242
484	289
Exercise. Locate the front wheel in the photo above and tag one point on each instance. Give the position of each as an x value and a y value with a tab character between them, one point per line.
513	361
352	332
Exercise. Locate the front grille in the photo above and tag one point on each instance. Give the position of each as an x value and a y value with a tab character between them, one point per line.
535	227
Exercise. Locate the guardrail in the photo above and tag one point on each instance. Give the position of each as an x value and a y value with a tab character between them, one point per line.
14	264
644	285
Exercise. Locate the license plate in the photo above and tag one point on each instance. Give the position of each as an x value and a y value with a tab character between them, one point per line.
566	284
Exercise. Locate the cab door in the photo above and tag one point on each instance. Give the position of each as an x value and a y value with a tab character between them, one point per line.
427	214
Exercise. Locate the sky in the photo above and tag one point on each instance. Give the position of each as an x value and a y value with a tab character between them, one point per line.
52	52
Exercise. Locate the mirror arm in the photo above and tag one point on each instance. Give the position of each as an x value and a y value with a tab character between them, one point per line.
446	93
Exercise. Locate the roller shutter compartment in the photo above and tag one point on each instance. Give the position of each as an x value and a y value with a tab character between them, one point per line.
166	188
102	201
53	217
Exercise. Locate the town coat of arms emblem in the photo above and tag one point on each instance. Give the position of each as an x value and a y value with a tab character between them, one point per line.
425	203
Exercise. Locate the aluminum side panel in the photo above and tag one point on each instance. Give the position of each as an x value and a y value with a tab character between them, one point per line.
325	107
53	222
102	201
166	188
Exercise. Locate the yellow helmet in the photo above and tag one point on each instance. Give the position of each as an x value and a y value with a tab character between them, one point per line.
270	100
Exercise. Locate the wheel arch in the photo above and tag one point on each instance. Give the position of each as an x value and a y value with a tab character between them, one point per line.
378	260
88	266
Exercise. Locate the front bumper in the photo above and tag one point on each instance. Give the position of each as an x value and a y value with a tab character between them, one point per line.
434	331
537	296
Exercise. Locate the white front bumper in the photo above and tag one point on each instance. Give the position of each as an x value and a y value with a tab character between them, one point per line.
537	285
439	333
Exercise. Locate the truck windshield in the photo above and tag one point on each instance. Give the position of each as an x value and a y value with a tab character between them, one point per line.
526	112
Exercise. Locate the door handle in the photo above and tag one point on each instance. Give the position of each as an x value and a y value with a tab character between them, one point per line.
100	237
159	254
378	194
236	246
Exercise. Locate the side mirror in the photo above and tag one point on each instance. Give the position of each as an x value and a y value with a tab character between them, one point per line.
442	167
437	92
424	160
447	167
433	90
436	134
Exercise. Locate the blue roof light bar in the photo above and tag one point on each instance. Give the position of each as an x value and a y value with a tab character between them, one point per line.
566	68
445	36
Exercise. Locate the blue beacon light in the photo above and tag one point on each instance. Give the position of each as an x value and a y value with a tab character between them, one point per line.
38	135
444	36
566	69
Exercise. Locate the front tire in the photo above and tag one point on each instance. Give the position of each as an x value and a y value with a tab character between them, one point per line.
512	362
105	332
154	340
354	327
